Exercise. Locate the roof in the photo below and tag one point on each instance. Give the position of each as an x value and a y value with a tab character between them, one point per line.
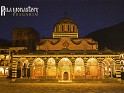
65	51
65	20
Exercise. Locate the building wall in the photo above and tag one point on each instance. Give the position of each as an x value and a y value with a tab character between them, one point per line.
65	42
66	67
25	37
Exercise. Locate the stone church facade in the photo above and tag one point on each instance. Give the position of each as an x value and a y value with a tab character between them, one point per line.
65	57
65	66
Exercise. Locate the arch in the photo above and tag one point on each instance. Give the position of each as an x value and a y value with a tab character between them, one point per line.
51	68
122	62
121	56
38	62
64	65
108	67
92	62
6	71
122	65
2	57
1	71
122	68
64	62
79	62
65	76
92	68
51	62
23	62
38	68
7	57
22	68
79	70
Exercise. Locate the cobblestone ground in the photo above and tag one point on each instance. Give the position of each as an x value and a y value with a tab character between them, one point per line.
6	87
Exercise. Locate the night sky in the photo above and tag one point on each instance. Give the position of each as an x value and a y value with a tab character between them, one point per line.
90	15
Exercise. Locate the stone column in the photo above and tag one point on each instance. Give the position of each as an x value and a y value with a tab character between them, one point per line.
57	68
70	72
100	71
73	66
56	72
4	69
73	72
9	67
26	71
85	65
4	64
8	70
100	62
21	71
31	69
107	71
104	72
111	71
85	71
45	69
14	69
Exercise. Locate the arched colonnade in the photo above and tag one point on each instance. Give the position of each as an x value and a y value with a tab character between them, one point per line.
66	68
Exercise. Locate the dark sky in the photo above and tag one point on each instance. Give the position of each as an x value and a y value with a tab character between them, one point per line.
90	15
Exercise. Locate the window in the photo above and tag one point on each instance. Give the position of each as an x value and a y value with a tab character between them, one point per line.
73	28
62	28
68	28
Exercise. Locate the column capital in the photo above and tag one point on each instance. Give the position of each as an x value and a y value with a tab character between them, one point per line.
100	59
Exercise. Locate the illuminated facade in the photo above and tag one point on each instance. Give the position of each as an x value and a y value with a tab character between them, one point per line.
66	66
65	27
65	36
65	58
4	61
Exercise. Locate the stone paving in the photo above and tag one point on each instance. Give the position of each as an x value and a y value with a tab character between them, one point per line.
87	87
6	87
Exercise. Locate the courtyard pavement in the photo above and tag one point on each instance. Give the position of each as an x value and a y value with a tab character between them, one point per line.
99	87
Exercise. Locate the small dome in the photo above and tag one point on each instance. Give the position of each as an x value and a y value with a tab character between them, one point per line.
65	27
107	50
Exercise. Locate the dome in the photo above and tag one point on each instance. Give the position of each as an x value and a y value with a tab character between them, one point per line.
65	27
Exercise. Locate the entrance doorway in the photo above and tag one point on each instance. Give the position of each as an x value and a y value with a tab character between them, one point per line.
65	70
65	76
